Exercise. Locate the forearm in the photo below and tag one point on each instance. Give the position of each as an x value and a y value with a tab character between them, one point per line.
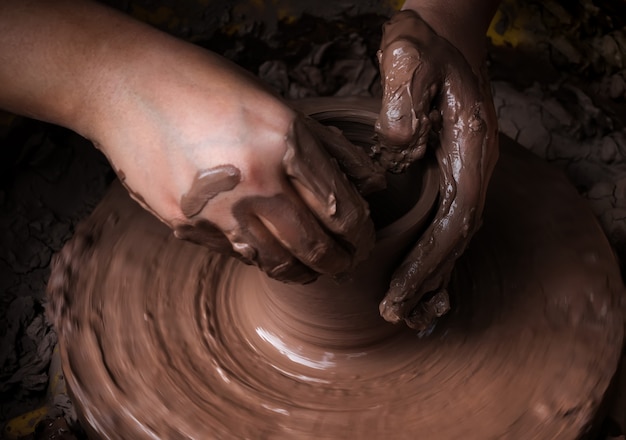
463	23
57	58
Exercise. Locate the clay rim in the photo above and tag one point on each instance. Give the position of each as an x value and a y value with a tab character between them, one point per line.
365	111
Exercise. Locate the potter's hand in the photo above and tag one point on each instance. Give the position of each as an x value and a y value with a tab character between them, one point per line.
431	91
195	139
228	165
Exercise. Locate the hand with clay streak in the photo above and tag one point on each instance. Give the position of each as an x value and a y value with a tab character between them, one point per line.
195	139
433	97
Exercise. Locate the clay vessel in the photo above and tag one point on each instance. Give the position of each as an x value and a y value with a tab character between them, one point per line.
161	338
343	313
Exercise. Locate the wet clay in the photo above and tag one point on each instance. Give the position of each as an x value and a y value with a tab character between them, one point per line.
207	185
161	338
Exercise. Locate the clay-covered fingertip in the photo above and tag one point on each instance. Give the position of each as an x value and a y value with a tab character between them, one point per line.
425	314
388	311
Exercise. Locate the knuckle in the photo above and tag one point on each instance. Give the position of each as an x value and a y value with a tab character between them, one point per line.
292	271
351	220
318	253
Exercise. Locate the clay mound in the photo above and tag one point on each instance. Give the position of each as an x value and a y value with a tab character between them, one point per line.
164	339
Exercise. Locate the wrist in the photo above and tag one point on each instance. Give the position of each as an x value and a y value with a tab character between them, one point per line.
114	53
463	23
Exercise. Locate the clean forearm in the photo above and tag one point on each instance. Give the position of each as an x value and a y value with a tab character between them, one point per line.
463	23
56	57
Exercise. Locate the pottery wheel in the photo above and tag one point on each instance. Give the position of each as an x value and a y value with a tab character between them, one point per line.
163	339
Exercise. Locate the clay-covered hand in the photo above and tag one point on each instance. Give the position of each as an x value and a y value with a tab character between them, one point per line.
433	98
225	163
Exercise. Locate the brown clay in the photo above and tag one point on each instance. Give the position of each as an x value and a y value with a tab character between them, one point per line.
207	185
161	338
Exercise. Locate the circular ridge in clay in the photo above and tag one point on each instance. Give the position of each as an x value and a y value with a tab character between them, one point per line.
161	338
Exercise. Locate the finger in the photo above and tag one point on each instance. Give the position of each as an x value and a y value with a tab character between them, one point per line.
354	161
293	226
275	260
327	193
255	243
410	83
203	232
422	305
427	269
424	315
